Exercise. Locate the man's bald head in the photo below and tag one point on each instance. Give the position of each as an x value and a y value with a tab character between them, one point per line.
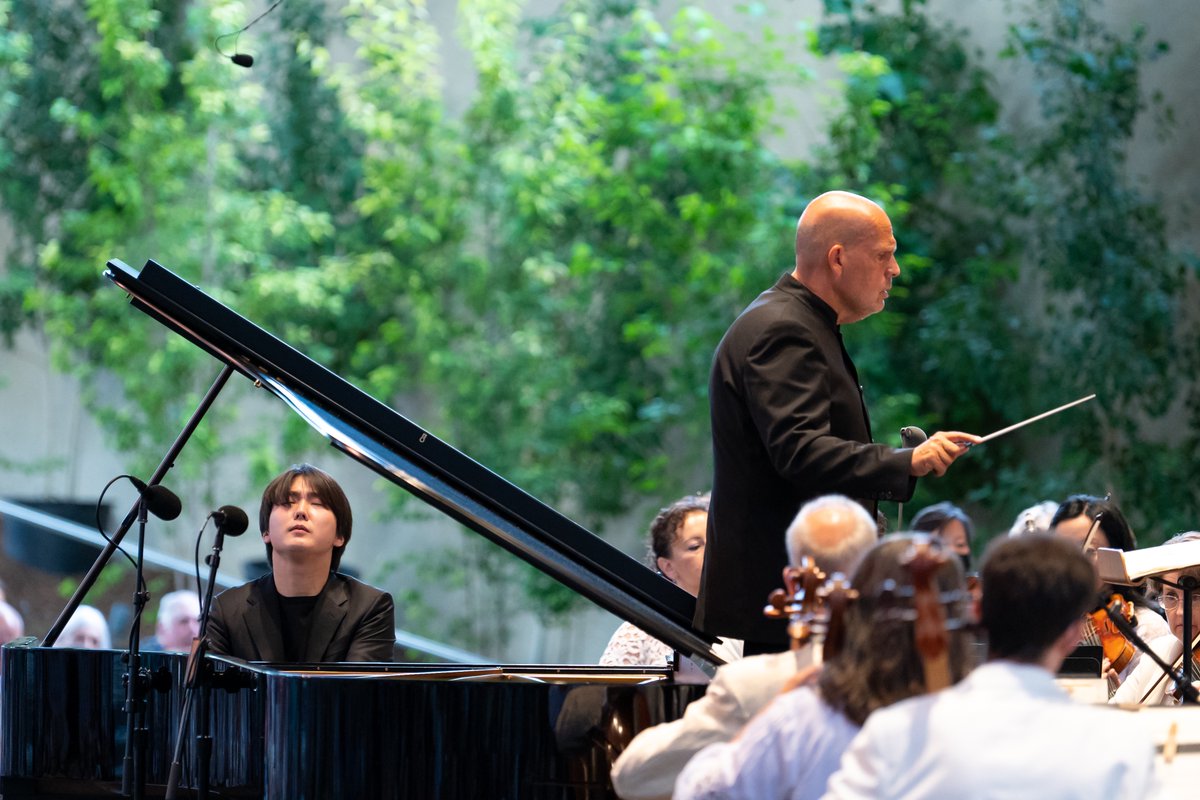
845	253
834	218
834	531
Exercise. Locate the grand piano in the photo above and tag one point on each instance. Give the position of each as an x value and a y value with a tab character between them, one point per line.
354	731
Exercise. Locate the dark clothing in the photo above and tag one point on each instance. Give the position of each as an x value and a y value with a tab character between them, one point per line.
789	424
296	615
349	621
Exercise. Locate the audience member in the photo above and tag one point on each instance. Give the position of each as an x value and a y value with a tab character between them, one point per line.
12	625
177	622
86	629
796	743
303	610
1007	730
1147	683
834	531
951	524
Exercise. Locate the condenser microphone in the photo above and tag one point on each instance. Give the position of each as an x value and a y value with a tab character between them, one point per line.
160	501
231	520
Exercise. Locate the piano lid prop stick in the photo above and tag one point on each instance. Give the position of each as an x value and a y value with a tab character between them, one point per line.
1025	422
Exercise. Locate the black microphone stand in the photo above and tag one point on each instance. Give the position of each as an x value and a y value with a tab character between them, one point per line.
114	541
196	685
1187	690
137	684
1187	585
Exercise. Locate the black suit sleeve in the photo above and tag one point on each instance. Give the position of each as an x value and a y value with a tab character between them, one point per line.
217	632
375	636
796	396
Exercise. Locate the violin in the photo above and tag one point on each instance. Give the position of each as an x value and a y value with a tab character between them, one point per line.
1117	649
929	628
797	602
814	608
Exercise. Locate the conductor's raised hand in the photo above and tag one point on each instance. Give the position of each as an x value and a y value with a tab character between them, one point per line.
939	451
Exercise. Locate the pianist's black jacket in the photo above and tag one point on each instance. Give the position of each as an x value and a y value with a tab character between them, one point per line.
351	622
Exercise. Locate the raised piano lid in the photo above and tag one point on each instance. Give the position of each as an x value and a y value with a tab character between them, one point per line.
411	457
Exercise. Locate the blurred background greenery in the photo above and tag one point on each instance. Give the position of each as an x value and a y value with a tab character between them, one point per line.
539	273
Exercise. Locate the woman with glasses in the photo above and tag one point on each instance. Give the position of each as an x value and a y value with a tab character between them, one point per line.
1092	523
1147	684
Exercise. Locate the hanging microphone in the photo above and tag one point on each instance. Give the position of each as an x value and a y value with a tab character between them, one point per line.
242	59
160	501
231	520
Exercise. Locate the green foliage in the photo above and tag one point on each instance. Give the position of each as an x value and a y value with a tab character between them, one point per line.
540	274
543	277
1035	273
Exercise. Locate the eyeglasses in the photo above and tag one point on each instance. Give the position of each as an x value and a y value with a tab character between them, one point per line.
1169	601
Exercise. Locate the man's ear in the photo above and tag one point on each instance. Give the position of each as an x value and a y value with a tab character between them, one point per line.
835	258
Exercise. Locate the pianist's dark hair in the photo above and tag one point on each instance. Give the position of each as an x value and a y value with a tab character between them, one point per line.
321	482
665	527
1034	587
879	663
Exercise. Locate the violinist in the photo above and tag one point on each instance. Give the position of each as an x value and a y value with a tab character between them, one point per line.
1006	730
1147	684
792	747
1092	523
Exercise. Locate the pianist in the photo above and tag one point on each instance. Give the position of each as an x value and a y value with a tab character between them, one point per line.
303	610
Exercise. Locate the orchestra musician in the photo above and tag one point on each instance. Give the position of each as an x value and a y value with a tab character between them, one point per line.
1147	684
789	421
303	610
796	743
1006	730
949	523
677	538
1091	523
834	532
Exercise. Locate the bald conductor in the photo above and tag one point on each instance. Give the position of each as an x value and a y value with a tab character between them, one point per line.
789	421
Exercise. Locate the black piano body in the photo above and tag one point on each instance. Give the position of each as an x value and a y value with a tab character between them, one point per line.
325	731
333	731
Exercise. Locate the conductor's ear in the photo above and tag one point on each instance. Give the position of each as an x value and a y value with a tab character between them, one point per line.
835	259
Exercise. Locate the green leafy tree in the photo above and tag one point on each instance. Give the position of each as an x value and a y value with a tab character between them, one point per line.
1034	272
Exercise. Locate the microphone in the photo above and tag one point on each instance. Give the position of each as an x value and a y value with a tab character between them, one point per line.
912	436
160	501
231	520
242	60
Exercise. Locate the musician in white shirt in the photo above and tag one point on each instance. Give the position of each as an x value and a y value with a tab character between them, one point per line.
1006	731
1148	684
834	531
789	750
